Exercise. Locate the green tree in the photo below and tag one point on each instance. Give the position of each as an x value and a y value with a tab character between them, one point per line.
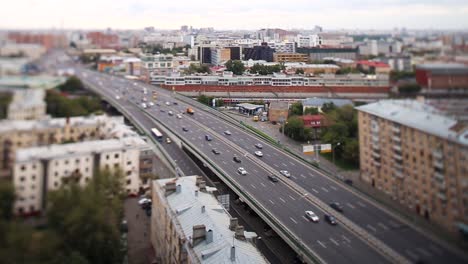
327	107
351	150
265	69
294	128
311	111
194	68
5	100
407	89
235	66
205	99
73	84
299	71
296	108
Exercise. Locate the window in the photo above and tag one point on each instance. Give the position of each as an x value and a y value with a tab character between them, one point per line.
33	177
23	167
116	156
56	174
116	165
77	161
22	179
55	184
129	182
107	157
33	187
86	169
129	173
66	162
34	166
129	163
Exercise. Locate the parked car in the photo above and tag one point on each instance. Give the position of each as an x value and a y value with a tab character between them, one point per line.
151	103
336	206
330	219
170	113
236	159
227	132
208	138
348	181
179	116
144	200
185	129
259	146
215	151
285	173
258	154
312	216
242	171
168	141
167	103
273	178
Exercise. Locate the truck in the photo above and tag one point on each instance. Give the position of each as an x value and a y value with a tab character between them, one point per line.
190	111
255	118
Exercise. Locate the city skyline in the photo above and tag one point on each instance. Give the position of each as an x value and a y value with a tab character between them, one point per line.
243	14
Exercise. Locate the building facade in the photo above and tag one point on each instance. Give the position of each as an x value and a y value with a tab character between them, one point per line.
27	104
157	64
318	54
442	78
278	112
418	157
290	57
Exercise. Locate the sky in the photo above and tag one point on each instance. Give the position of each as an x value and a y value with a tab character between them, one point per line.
234	14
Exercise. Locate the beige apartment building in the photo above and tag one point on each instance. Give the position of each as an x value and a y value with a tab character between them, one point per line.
38	170
15	134
189	225
418	156
290	57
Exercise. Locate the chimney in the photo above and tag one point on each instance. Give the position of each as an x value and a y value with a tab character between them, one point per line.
170	187
209	236
178	188
199	234
233	253
203	209
240	233
202	186
196	192
233	224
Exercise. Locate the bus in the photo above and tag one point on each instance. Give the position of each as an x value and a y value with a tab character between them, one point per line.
157	134
155	95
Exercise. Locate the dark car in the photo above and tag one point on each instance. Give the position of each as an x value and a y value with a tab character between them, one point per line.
236	159
175	103
348	181
259	146
208	138
273	178
185	129
330	219
148	212
215	151
337	207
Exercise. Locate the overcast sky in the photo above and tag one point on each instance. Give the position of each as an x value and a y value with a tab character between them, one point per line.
234	14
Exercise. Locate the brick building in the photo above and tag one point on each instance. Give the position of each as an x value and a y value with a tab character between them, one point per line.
442	78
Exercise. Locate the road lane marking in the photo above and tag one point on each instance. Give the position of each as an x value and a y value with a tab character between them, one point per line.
275	165
303	176
424	252
268	155
334	242
393	223
294	177
361	204
411	254
333	187
292	198
383	226
253	186
347	239
292	163
263	184
311	175
224	162
315	190
271	202
256	171
372	228
323	245
282	200
292	219
325	190
284	164
305	218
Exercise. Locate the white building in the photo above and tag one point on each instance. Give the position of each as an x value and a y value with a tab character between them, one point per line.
157	64
308	41
27	104
38	170
283	47
190	226
374	47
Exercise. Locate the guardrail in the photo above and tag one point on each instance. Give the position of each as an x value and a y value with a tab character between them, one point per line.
279	228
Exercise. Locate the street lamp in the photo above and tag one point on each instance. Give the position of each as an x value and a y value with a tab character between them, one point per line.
333	151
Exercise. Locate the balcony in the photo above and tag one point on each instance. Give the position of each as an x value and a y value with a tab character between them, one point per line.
375	154
398	165
438	154
374	129
396	139
438	164
398	174
397	156
376	163
376	147
397	147
439	176
375	138
442	196
396	129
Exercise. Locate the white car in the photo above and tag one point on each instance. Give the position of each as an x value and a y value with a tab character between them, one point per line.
144	200
312	216
227	132
285	173
170	113
168	140
117	97
259	146
259	153
151	103
242	171
143	105
167	103
179	116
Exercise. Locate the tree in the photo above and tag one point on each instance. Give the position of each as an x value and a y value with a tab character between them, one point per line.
351	150
411	88
194	68
72	84
311	111
335	133
7	197
235	66
296	108
205	99
264	69
299	71
327	107
294	128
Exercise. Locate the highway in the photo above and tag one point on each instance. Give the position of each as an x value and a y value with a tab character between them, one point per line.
288	199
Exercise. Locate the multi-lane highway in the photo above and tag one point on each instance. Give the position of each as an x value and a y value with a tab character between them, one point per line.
366	232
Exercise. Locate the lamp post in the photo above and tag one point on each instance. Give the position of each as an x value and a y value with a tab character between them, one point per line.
333	151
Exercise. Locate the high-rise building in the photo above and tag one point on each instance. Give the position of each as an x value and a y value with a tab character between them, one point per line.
418	156
263	52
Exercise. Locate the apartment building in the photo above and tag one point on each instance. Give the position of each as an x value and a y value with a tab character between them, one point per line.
322	53
417	156
157	64
442	78
308	41
16	134
38	170
290	57
283	47
189	225
27	104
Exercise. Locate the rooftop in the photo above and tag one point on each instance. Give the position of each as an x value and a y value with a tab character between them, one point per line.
444	68
81	148
318	102
186	205
250	106
23	99
42	82
419	116
376	64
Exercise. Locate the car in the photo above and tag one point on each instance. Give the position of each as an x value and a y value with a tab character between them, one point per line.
143	201
179	116
144	99
236	159
158	104
162	110
167	103
208	138
273	178
259	146
143	105
330	219
285	173
151	103
215	151
312	216
168	141
336	206
227	132
170	113
185	129
258	153
117	97
348	181
242	171
175	103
